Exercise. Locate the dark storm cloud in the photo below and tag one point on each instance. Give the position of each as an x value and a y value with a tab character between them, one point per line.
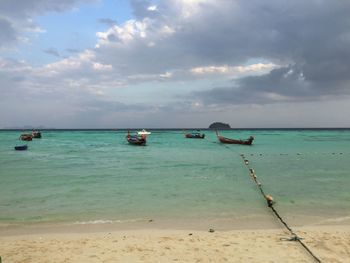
312	38
280	85
312	35
283	84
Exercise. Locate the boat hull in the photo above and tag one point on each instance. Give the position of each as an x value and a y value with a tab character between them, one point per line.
36	135
195	136
21	148
136	141
233	141
225	140
26	137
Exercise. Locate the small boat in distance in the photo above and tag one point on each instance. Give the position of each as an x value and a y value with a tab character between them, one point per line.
36	134
21	147
135	139
222	139
26	137
143	132
195	135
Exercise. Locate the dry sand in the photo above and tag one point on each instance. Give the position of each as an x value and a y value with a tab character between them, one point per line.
329	243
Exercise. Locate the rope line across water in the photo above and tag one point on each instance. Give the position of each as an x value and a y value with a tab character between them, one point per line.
270	203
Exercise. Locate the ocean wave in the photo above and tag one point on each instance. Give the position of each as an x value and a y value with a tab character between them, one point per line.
336	220
108	221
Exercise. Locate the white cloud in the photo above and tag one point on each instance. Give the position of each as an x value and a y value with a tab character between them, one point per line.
13	66
167	30
101	67
166	75
211	69
130	31
256	68
237	71
60	67
152	8
189	8
151	77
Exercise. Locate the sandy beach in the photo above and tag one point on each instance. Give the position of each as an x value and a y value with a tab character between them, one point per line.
329	243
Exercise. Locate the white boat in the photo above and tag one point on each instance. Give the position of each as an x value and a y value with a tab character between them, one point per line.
143	132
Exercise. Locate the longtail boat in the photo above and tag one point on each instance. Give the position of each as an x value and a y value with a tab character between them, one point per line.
135	139
36	134
222	139
26	137
195	135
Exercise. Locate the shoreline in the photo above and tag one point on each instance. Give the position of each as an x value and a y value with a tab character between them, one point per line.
330	243
264	221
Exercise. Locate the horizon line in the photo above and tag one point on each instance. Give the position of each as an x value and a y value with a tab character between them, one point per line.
187	128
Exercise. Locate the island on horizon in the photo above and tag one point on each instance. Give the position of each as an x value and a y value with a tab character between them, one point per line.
219	125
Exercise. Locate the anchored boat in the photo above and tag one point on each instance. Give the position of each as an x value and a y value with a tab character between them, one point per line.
136	140
26	137
222	139
21	147
195	135
36	134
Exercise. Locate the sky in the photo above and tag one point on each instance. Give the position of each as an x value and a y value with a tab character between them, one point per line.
174	63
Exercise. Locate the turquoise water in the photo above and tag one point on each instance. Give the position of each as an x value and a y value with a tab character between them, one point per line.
96	176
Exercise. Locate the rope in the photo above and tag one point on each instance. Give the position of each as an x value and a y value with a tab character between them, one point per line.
270	203
298	154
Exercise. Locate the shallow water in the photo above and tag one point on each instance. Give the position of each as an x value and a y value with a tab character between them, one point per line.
96	176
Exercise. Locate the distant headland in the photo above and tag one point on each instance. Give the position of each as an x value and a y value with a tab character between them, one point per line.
219	125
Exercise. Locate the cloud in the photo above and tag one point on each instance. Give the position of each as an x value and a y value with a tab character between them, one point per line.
280	85
250	69
16	19
7	32
53	51
29	8
190	35
187	35
285	84
73	50
144	8
232	38
216	54
107	21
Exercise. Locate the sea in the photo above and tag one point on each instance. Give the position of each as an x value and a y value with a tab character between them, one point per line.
86	177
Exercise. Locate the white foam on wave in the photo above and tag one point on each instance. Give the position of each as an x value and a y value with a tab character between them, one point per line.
336	220
100	221
107	221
